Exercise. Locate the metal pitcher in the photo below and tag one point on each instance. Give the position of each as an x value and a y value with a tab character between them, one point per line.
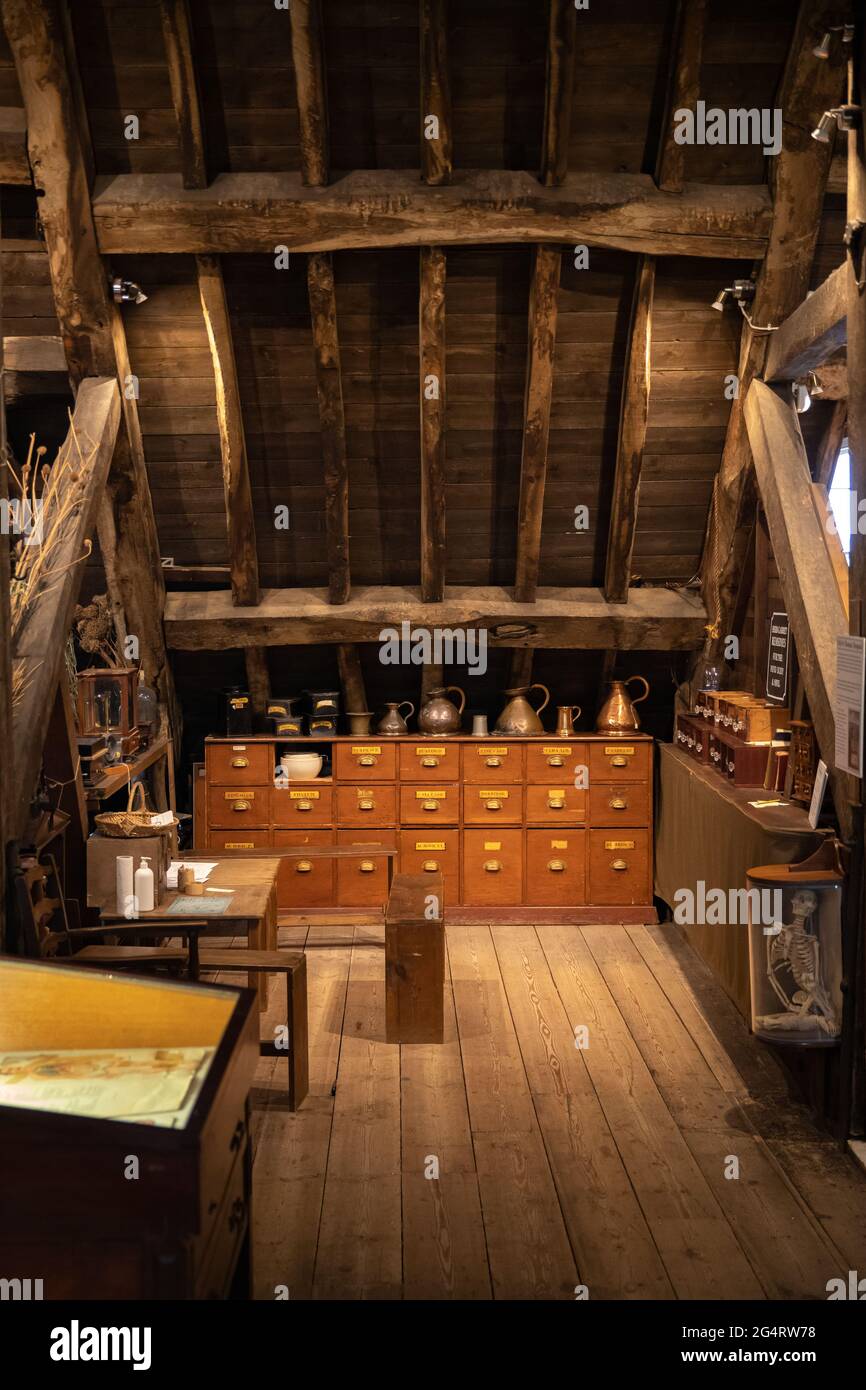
565	719
438	715
618	715
392	724
519	719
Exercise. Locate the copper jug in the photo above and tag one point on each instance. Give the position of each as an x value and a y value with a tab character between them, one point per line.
565	718
519	719
618	715
438	715
393	722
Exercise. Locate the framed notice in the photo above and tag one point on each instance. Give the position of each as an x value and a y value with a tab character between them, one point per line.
850	668
778	648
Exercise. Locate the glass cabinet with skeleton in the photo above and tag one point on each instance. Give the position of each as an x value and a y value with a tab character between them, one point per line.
795	949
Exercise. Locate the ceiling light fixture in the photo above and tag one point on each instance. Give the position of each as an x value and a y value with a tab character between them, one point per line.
841	117
126	291
741	291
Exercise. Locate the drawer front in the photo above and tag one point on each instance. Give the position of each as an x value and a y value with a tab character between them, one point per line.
216	1257
555	868
430	762
239	764
303	883
420	805
619	867
429	853
619	803
492	867
549	760
238	839
620	761
488	759
370	805
365	761
492	803
240	808
552	805
301	804
364	882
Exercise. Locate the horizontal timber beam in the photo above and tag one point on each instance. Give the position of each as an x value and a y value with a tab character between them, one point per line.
815	330
653	619
137	213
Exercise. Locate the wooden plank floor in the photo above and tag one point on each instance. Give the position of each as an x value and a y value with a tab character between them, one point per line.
662	1159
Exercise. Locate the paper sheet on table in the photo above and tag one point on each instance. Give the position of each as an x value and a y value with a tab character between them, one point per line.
147	1085
202	871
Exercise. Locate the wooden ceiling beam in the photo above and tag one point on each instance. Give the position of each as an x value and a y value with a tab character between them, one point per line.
798	181
683	89
558	91
653	619
138	213
811	594
39	649
813	332
436	143
90	323
240	522
309	64
329	384
177	34
431	357
634	411
538	396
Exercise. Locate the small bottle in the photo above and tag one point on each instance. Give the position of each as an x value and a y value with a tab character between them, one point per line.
144	885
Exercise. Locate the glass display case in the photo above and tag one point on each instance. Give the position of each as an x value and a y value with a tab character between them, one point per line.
108	700
795	949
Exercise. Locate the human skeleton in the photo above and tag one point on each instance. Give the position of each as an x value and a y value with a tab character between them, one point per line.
796	949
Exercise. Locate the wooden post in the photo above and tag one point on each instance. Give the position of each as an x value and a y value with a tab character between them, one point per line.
683	88
634	410
243	559
432	397
258	679
5	651
308	58
558	90
351	677
435	93
177	33
536	418
329	383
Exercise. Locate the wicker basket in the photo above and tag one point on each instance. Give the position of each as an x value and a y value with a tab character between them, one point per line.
131	824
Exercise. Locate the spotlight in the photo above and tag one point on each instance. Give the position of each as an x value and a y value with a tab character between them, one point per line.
126	291
742	291
823	49
844	117
822	130
802	399
721	299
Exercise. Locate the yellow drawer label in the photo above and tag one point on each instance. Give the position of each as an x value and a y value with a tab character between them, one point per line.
617	749
566	748
619	844
238	844
430	752
555	791
559	844
493	844
489	793
239	794
429	844
304	796
364	748
487	752
239	748
425	794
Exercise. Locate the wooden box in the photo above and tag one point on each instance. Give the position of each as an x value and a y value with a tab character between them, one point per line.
757	721
744	764
102	855
415	961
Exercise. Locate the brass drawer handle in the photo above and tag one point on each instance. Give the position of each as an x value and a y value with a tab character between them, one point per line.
492	866
493	805
556	866
493	762
304	805
430	866
240	762
366	805
303	866
617	803
619	865
619	762
555	762
240	805
555	803
366	866
429	762
367	762
431	805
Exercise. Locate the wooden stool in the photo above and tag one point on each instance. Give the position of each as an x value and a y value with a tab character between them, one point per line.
292	964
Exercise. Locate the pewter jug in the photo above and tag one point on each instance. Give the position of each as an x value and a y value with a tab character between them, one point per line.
441	716
519	718
618	714
392	723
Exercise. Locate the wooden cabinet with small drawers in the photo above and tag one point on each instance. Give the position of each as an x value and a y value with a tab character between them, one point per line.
546	828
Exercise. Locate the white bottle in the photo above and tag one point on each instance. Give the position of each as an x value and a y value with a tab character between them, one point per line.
144	885
125	885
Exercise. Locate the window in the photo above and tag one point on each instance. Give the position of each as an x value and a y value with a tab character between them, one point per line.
843	505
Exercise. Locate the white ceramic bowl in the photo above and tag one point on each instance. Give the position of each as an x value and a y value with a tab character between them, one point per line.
301	767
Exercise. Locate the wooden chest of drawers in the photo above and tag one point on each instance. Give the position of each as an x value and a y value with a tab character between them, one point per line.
519	828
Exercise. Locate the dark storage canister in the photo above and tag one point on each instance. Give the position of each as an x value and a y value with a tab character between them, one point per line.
238	712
